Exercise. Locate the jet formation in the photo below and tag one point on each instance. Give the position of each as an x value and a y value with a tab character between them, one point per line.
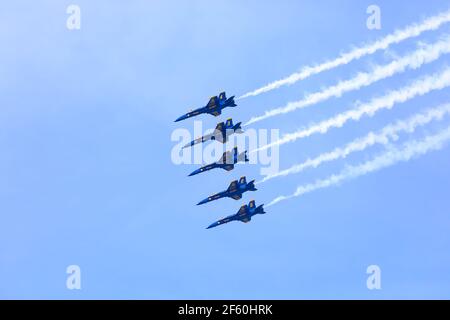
229	159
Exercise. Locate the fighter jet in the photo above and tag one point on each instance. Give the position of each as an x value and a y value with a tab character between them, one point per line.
214	107
226	162
245	214
221	133
234	191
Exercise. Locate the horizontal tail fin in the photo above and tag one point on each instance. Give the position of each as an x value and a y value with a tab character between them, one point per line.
260	209
237	127
251	185
230	102
243	157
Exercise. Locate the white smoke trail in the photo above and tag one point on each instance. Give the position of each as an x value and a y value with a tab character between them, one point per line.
389	158
414	30
423	55
386	135
420	87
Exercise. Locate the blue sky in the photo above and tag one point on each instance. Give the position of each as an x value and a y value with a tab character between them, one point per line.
86	176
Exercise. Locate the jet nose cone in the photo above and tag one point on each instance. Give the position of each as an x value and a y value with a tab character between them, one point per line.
212	225
195	172
203	202
181	118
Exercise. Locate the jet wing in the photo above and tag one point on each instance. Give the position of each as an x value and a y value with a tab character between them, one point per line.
233	186
237	196
224	157
212	102
216	113
220	126
246	219
242	210
227	158
217	135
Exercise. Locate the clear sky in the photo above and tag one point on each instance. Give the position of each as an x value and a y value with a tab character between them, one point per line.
86	176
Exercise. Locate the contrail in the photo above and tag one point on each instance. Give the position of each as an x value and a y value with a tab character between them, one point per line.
420	87
423	55
386	135
414	30
389	158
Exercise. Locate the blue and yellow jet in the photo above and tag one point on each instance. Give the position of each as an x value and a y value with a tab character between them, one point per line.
245	214
226	162
234	191
221	133
214	107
